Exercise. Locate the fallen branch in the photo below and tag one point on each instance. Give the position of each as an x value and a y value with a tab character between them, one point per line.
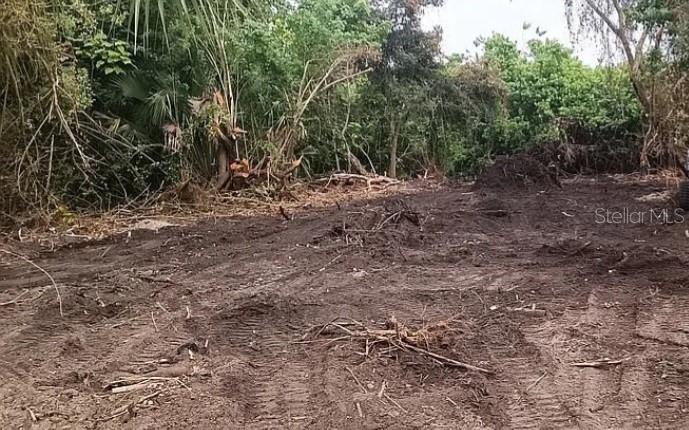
357	380
155	326
139	380
394	402
284	214
372	222
536	382
449	361
499	213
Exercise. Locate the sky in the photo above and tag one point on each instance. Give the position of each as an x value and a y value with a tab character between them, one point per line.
463	21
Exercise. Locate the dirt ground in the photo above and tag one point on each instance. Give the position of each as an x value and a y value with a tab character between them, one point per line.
224	322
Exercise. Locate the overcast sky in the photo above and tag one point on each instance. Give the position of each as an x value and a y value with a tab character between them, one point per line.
465	20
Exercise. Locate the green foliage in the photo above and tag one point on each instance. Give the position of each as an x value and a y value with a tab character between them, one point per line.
81	23
651	12
548	86
106	56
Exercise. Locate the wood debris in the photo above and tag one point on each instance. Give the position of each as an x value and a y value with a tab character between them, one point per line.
398	336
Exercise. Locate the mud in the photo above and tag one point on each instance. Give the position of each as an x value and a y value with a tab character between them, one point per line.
216	318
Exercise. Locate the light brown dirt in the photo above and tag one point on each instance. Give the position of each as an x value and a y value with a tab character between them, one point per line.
219	308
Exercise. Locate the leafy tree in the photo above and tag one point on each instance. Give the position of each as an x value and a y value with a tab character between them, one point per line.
549	88
636	29
409	61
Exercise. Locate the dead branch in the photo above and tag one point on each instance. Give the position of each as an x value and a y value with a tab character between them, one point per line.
580	249
449	361
129	388
394	402
357	380
530	311
137	380
357	230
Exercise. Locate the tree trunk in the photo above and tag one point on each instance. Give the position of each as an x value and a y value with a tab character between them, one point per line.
394	140
222	158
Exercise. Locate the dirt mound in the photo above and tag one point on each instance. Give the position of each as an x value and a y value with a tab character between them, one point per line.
517	171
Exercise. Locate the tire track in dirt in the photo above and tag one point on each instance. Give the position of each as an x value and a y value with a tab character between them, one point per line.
549	392
532	406
37	336
664	323
80	263
603	323
283	397
245	333
568	396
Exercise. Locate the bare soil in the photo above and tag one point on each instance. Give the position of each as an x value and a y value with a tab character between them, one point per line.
224	322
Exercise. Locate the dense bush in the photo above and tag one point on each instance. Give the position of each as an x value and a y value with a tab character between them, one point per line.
554	98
